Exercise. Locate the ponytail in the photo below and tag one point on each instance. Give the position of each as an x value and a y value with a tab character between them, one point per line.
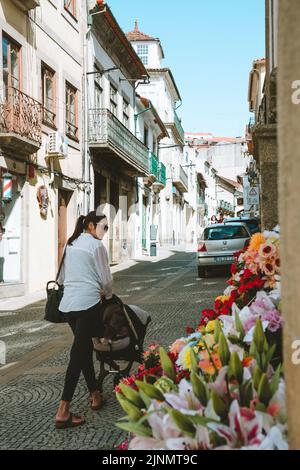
78	229
83	223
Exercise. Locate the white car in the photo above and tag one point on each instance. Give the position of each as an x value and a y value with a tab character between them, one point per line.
218	244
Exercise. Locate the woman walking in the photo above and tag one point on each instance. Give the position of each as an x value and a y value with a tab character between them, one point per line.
86	276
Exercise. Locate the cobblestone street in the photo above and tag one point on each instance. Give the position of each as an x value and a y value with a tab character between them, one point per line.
37	354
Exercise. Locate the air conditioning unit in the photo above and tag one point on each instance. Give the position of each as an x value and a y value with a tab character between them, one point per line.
57	145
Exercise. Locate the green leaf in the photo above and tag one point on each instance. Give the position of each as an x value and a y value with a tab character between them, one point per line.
236	369
135	428
219	405
259	336
200	389
275	380
167	364
264	391
194	361
239	325
257	374
183	422
270	353
224	352
150	390
131	410
132	395
145	398
218	330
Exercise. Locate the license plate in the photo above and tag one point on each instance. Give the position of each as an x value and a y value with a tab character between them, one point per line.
220	259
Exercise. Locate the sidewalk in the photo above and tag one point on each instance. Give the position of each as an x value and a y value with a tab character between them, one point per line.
164	252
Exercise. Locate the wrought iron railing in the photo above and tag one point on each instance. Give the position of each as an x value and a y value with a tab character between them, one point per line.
105	128
179	127
180	175
162	173
153	164
21	114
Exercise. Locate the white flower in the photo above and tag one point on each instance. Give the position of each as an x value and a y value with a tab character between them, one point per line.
249	336
185	400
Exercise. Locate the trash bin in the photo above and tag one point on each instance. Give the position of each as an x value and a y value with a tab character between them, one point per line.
152	249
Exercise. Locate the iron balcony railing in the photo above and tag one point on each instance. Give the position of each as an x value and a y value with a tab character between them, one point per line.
226	205
162	173
153	164
22	115
105	129
180	179
179	127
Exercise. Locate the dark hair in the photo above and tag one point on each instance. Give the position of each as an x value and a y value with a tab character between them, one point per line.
83	222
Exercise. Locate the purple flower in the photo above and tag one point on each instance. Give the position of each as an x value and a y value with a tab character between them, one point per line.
274	318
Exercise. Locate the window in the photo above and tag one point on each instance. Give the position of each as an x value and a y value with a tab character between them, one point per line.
48	96
225	233
113	100
98	89
11	64
70	6
125	113
142	52
71	112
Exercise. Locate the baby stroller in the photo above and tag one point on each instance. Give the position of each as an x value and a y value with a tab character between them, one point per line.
128	348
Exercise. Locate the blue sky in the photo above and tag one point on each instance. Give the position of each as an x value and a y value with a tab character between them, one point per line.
210	46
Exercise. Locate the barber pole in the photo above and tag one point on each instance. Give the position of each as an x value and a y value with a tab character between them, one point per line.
7	187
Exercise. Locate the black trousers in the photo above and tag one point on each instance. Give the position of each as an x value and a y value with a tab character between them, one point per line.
85	325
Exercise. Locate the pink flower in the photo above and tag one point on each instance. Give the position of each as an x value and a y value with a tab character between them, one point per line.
177	346
267	250
274	318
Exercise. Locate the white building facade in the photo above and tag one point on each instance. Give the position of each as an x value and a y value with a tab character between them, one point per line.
41	63
164	94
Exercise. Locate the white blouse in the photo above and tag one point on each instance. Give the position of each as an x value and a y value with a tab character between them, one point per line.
85	274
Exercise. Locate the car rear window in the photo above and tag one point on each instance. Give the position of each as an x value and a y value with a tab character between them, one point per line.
252	224
225	233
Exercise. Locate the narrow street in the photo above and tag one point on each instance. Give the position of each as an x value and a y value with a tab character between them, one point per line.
32	380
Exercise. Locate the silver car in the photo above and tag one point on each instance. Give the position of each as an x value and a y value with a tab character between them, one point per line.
218	244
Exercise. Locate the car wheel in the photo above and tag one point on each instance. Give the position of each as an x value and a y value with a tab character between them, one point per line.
201	272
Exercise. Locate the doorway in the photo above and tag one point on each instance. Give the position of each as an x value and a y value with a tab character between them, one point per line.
63	201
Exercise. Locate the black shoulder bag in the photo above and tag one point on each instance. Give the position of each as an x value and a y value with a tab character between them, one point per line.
55	292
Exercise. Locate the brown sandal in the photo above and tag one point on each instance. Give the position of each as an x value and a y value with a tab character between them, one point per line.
69	423
96	407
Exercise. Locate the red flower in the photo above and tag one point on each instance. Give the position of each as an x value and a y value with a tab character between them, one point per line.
189	330
233	269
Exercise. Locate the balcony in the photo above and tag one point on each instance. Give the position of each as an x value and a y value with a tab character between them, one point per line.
115	145
179	128
180	180
160	183
26	5
226	207
20	122
153	169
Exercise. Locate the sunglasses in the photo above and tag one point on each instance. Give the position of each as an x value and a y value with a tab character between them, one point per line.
105	228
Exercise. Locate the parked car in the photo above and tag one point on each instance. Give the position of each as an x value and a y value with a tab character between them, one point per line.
253	223
218	244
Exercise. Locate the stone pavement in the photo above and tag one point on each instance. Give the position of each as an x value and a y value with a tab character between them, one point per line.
37	355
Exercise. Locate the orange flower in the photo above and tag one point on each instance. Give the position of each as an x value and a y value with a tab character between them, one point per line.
256	241
247	361
207	365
